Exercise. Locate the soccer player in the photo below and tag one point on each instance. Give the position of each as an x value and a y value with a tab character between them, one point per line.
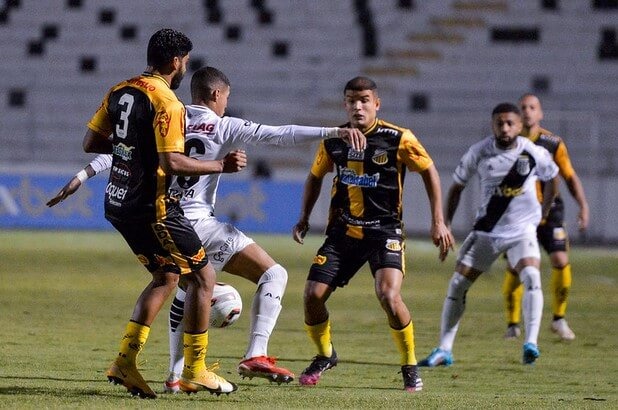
365	225
209	135
551	233
508	167
146	122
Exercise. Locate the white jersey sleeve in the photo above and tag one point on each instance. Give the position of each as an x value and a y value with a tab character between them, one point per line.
101	162
468	165
251	133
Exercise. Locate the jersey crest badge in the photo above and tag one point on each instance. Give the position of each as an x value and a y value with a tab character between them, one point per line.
380	157
523	165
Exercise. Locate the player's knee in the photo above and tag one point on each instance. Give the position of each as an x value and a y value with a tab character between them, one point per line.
458	286
275	274
530	277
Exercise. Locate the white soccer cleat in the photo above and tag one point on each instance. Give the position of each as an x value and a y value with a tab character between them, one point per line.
562	329
172	384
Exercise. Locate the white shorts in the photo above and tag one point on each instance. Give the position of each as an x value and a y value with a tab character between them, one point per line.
480	250
220	239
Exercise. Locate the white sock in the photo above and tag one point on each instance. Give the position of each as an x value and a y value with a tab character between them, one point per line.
265	309
532	302
452	310
176	330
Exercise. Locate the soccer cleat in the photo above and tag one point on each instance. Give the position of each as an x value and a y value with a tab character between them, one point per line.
437	357
411	380
531	353
311	375
264	366
562	329
512	332
129	377
172	384
206	380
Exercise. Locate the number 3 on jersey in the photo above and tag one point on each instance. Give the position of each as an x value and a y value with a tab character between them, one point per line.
122	127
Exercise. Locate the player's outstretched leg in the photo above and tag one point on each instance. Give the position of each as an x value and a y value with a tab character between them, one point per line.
265	310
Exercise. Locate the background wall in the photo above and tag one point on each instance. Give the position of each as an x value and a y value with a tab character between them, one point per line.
440	67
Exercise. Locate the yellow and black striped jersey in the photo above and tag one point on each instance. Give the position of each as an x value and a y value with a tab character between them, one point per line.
558	150
144	117
367	191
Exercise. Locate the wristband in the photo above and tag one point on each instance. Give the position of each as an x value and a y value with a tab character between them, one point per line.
82	176
332	132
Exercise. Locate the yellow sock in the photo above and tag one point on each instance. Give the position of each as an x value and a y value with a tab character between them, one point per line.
404	339
132	342
513	291
320	335
194	349
560	286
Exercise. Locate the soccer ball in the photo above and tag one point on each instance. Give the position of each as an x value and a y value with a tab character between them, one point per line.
225	305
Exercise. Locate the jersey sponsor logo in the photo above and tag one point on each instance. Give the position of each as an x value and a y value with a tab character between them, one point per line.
559	234
358	222
523	165
142	84
182	193
505	191
354	155
387	131
162	121
120	173
123	151
393	245
203	128
380	157
319	260
115	192
349	177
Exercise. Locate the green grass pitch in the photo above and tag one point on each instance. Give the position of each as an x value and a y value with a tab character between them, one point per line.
65	298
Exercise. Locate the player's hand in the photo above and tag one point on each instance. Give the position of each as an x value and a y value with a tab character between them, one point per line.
443	238
69	189
582	219
299	231
234	161
354	137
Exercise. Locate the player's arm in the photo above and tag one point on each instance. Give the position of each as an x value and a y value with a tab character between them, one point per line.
288	135
440	233
101	163
177	163
311	193
452	201
96	142
550	190
573	183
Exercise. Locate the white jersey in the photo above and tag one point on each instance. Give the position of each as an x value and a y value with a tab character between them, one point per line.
210	137
509	203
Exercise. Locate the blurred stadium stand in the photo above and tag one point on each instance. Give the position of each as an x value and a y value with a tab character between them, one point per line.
440	67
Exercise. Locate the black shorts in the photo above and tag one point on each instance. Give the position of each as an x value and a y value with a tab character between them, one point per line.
170	244
553	237
340	257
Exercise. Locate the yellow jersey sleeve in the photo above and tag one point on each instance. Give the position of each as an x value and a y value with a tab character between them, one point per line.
412	153
99	122
322	164
561	158
169	127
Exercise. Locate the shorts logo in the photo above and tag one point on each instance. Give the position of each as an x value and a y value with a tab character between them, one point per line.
393	245
380	157
143	259
560	234
199	256
319	260
523	165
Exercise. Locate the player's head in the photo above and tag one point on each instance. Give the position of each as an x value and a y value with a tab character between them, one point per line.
506	124
168	53
531	110
210	87
361	102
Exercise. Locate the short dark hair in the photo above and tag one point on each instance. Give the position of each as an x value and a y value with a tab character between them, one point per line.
166	44
205	80
360	84
504	108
